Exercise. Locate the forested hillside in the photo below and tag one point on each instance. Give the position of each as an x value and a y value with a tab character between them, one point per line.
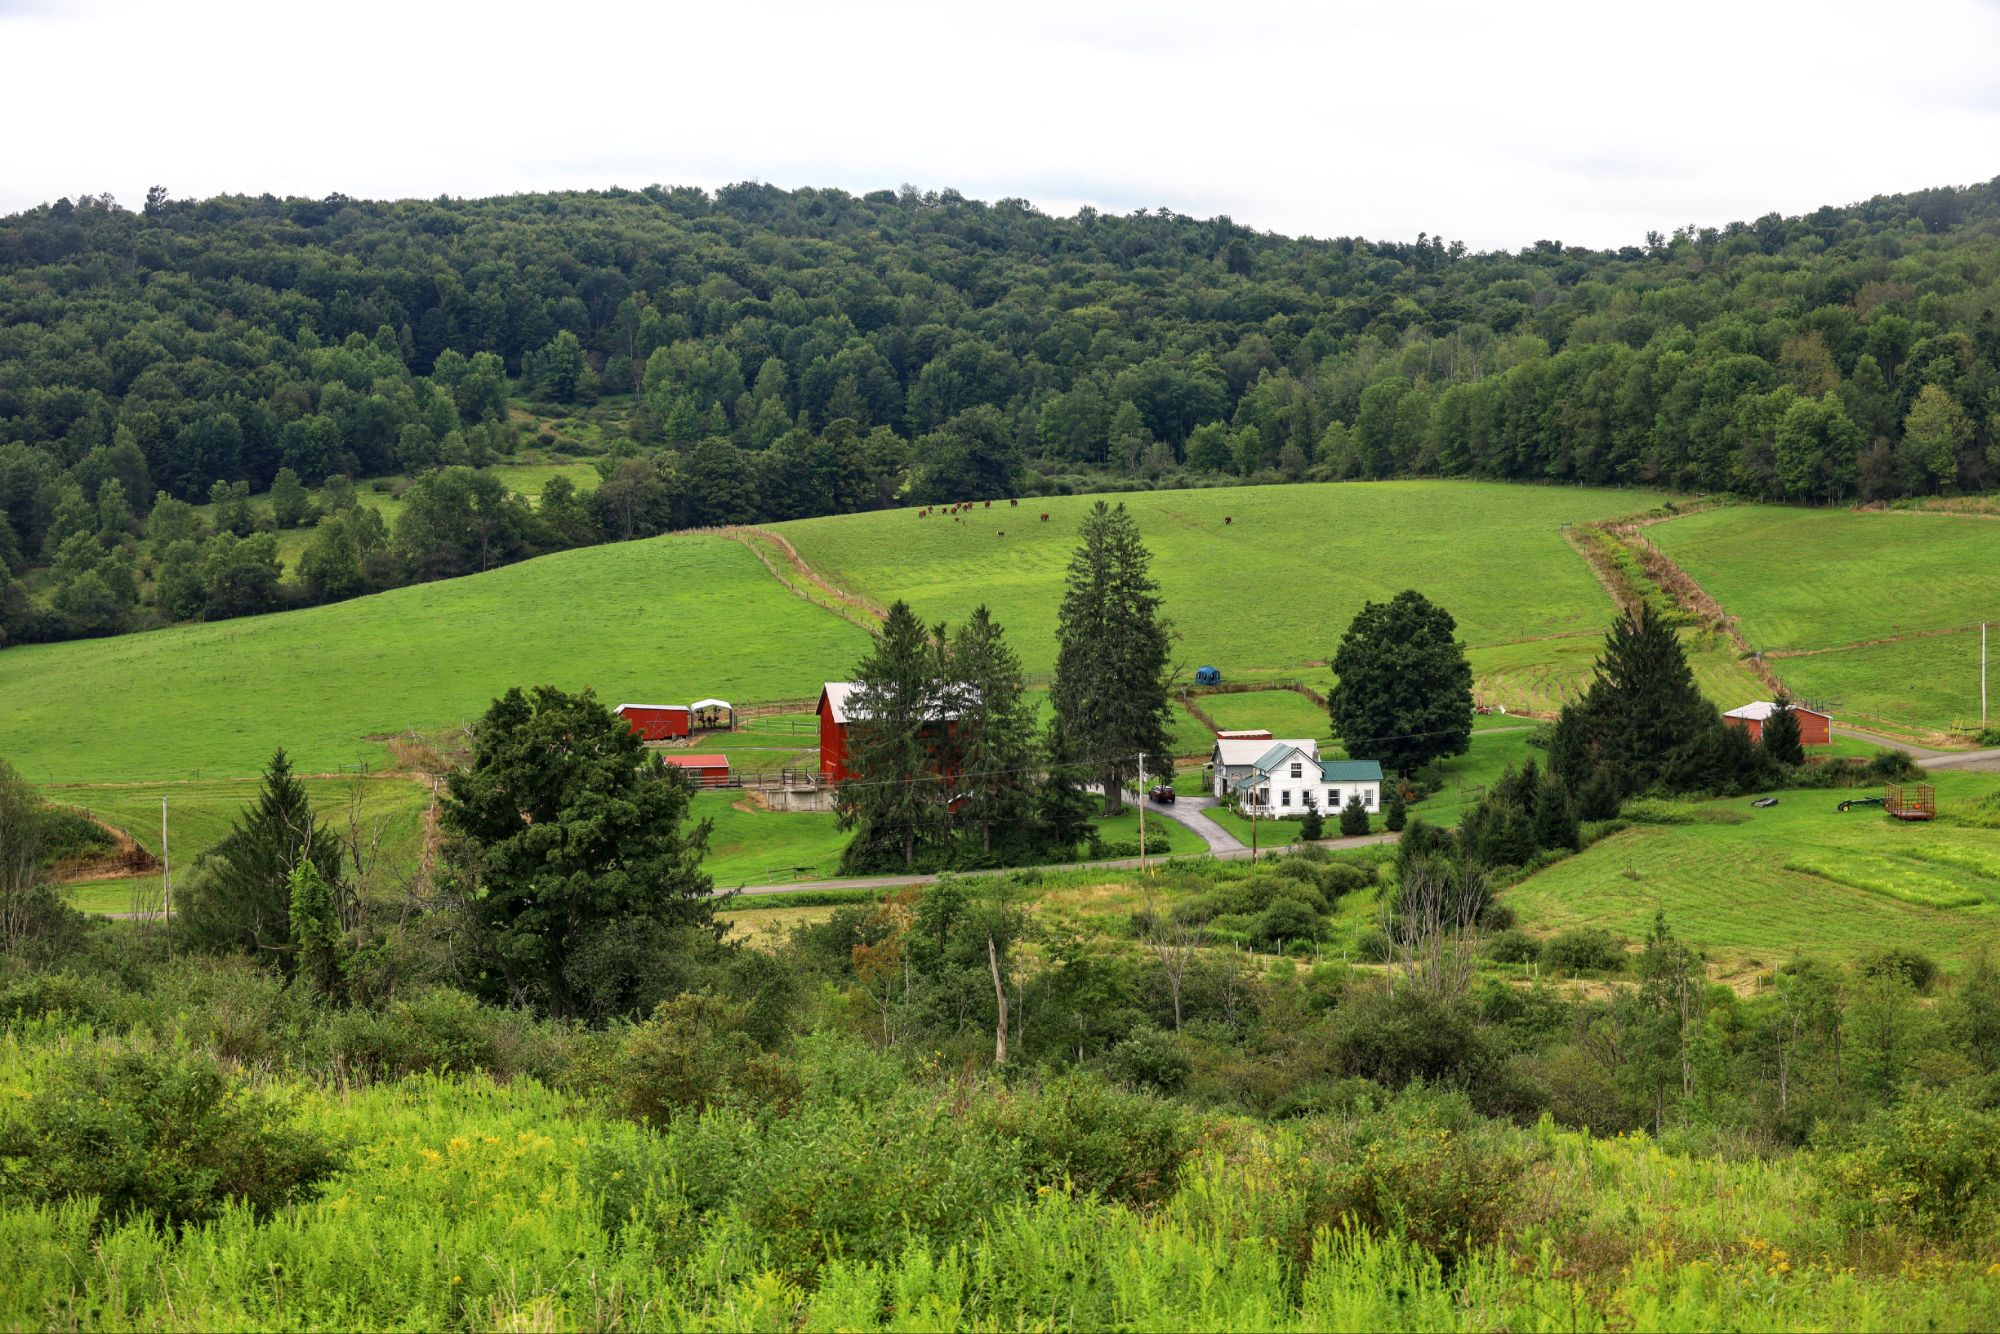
763	354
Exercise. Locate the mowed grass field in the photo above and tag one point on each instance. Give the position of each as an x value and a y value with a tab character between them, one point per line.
1273	589
1841	580
1753	887
669	619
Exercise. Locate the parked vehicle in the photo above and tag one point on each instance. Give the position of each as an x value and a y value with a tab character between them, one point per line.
1163	793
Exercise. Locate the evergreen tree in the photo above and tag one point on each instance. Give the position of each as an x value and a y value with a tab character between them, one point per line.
1555	823
1643	720
1780	734
1062	803
1403	688
1353	818
315	930
566	841
239	897
1313	827
896	798
994	737
1396	810
1110	686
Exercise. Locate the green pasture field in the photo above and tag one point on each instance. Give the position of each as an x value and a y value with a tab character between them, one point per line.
200	815
1754	887
673	618
1929	684
1840	579
1266	593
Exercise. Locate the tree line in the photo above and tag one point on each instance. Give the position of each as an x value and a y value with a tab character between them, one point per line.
973	350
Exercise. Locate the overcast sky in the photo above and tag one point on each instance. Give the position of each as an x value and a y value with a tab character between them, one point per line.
1494	123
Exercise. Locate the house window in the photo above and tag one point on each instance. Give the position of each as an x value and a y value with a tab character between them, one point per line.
1298	769
1333	798
1285	797
1368	800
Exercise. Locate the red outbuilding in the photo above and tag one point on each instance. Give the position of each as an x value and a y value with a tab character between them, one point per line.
707	770
1815	728
836	713
657	722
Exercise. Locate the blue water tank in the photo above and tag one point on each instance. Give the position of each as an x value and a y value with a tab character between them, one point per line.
1208	676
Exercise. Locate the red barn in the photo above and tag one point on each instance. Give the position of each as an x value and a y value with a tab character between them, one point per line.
835	713
707	770
656	722
1815	728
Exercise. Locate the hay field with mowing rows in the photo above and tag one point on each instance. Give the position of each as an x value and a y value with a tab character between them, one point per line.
1758	885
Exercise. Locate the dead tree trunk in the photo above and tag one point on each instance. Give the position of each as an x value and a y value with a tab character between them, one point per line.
1000	1000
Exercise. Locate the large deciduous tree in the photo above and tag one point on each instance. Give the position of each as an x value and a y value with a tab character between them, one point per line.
1403	689
1110	690
582	878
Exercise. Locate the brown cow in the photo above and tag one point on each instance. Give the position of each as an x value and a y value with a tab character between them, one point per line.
1013	502
1226	521
1045	518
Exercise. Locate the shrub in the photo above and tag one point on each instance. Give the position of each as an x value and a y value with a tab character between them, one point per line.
693	1054
1512	946
1931	1163
1891	766
1425	1167
1099	1138
1286	919
1496	916
1373	945
1150	1058
1584	950
1396	1037
1916	968
165	1135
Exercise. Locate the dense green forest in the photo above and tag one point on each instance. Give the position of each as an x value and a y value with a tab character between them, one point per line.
777	354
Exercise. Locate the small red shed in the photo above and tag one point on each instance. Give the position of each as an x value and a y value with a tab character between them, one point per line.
1815	728
657	722
833	731
707	770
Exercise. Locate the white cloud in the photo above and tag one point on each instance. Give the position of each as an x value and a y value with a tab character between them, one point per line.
1497	124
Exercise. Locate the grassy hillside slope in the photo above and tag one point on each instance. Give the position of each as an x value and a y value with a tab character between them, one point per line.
671	619
1268	592
1819	590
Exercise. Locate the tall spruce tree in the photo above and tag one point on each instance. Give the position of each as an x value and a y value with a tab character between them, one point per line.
1643	720
1111	678
238	897
1780	734
896	801
993	741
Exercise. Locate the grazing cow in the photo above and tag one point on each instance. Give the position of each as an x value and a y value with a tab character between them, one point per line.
989	504
1045	518
1001	533
1226	521
1012	503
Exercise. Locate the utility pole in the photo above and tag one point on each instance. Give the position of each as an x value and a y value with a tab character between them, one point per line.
1982	676
1144	797
1253	826
166	881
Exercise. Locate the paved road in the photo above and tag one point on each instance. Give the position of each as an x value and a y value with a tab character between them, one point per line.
1236	854
1193	813
1978	761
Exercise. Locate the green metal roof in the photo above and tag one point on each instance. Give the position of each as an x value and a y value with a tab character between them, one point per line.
1351	771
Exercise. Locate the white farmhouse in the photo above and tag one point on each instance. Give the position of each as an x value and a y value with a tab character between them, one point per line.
1236	754
1281	779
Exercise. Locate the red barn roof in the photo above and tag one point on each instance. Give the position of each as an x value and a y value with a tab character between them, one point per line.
697	761
656	722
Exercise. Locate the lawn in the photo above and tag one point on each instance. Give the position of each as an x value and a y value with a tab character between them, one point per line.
1227	587
1757	886
1283	713
673	618
1837	579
